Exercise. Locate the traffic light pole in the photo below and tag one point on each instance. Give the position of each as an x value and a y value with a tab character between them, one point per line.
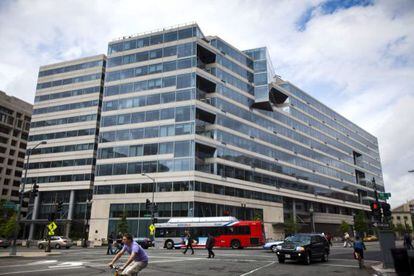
13	248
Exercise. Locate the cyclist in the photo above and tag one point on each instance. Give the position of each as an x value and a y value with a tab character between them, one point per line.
359	248
138	259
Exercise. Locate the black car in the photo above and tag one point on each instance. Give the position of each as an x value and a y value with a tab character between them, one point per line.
144	242
303	247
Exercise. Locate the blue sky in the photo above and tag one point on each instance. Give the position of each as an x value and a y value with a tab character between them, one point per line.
355	56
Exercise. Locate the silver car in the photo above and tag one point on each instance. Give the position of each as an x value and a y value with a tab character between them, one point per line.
4	242
55	242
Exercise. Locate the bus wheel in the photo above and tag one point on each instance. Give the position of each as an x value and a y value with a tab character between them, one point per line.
169	244
235	244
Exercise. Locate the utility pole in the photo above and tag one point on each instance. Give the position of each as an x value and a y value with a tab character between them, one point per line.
13	248
153	206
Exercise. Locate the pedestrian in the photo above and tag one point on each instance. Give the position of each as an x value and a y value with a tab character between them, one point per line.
407	241
110	251
347	240
138	259
189	242
329	238
209	245
359	248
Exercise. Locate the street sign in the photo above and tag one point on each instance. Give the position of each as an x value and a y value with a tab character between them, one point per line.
9	205
381	224
152	229
52	227
384	196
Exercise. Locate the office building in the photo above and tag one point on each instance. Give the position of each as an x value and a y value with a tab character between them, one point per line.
204	129
14	131
65	115
212	131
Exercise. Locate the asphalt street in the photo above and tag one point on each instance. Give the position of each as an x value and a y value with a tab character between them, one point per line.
93	261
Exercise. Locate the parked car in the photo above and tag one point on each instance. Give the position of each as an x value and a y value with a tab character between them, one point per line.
303	247
370	238
4	242
144	242
55	242
271	245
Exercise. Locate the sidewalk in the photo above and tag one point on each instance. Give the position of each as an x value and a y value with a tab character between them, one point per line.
29	254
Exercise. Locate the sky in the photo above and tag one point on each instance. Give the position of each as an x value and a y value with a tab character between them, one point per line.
356	56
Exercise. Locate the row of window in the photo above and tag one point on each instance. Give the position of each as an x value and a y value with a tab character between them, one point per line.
60	178
183	113
170	165
70	80
178	96
235	68
147	132
181	186
151	69
236	82
66	94
235	54
284	143
66	148
61	163
328	111
153	40
62	134
65	107
183	50
181	81
178	148
74	67
280	155
63	121
252	176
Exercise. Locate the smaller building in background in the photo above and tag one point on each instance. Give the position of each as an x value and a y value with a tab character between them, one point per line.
15	116
404	214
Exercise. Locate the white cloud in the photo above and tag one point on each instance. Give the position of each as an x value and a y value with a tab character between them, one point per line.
358	61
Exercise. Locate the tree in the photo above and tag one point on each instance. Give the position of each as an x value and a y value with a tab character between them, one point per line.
360	223
344	227
123	225
399	229
8	227
291	226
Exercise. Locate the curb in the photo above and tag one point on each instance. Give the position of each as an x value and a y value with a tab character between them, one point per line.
30	254
380	270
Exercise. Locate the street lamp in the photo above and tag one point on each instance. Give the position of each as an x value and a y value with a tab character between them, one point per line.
311	210
152	201
13	248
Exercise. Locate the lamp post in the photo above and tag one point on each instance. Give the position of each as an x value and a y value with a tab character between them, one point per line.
13	248
311	210
152	201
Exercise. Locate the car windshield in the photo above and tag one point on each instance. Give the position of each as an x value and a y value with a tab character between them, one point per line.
299	239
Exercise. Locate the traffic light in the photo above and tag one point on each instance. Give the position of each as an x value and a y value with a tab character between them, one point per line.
386	209
155	220
147	204
376	211
59	206
35	190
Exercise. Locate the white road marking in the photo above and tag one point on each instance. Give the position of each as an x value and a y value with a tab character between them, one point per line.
66	264
254	270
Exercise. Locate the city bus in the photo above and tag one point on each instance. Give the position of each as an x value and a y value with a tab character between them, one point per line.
227	232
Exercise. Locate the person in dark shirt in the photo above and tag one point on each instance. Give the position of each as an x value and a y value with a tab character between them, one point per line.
189	242
209	245
359	248
109	251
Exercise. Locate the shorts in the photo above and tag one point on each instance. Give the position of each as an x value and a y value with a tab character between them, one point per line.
360	252
134	267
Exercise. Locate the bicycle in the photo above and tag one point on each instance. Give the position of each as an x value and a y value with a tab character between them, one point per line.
116	269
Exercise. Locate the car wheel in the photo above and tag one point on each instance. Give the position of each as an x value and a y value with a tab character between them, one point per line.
325	257
40	246
67	247
273	248
235	244
307	259
5	246
169	245
57	246
281	260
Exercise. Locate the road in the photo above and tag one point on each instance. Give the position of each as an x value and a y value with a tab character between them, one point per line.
92	261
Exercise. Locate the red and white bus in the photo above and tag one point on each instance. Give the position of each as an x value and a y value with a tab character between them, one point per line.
227	231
